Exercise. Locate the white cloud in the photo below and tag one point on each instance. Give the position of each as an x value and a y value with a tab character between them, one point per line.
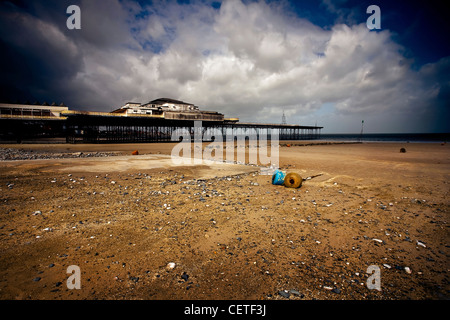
247	60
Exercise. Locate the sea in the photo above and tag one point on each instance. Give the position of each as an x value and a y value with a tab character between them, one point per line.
387	137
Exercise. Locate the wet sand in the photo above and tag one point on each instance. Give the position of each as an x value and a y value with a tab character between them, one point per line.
230	233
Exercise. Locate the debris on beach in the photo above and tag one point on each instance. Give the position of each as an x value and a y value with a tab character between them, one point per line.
135	153
289	180
421	244
293	180
402	150
278	177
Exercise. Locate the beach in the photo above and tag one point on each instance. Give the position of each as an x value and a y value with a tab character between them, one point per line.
139	227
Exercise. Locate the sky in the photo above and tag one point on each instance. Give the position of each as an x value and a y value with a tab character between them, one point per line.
317	61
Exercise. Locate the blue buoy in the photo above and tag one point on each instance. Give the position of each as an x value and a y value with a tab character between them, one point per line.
278	177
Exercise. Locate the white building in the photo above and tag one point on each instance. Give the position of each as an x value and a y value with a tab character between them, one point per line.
157	106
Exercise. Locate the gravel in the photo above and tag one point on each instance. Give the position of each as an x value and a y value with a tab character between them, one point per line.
22	154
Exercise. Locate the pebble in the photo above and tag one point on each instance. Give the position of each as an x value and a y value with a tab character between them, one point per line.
185	276
297	293
37	279
284	293
170	266
336	290
408	270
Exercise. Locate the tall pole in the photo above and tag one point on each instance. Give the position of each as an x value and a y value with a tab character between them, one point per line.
362	129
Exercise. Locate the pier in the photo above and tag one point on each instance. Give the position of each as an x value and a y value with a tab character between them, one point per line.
155	121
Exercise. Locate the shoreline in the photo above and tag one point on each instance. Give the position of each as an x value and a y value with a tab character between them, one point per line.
21	152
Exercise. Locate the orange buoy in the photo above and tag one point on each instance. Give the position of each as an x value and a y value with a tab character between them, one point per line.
293	180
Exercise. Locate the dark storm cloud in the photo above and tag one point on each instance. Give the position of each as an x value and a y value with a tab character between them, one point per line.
36	55
43	60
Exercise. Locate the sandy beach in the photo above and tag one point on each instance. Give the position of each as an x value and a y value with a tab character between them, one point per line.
141	228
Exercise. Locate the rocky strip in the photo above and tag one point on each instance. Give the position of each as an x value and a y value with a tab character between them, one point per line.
7	154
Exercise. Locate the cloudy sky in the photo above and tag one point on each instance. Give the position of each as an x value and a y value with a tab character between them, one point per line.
315	60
